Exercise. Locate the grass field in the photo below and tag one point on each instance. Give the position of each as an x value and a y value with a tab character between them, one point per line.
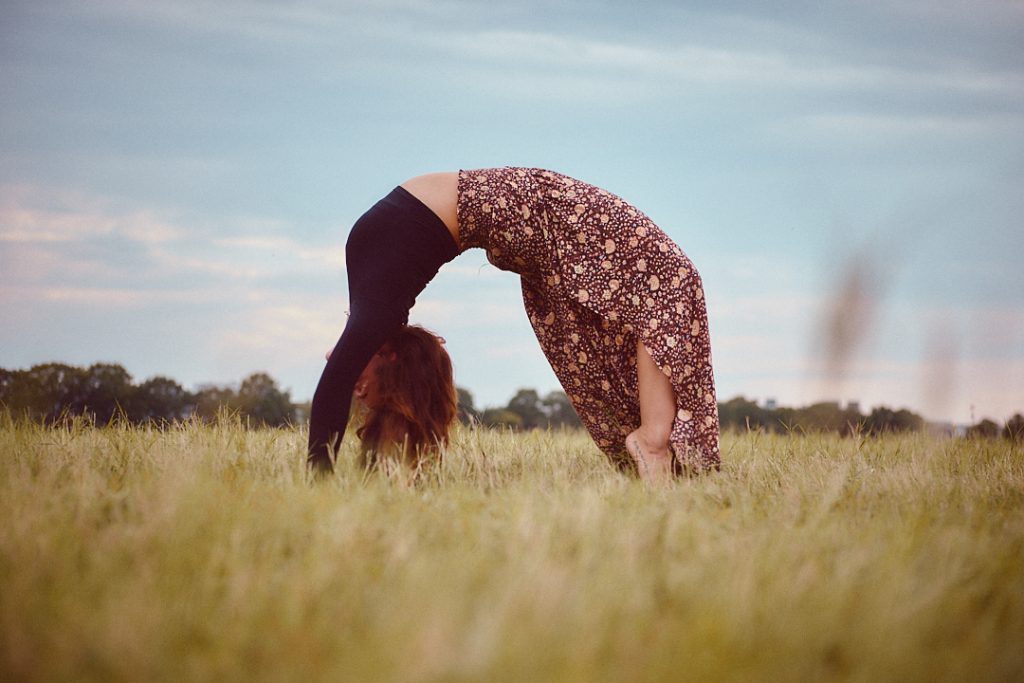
205	553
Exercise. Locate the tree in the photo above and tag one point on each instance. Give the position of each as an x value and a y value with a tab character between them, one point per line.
527	405
986	429
1014	428
467	412
827	416
559	410
7	380
261	400
883	419
741	414
908	421
106	389
210	399
159	399
51	390
501	417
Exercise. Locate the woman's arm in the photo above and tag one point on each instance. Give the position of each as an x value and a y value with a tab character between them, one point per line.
367	329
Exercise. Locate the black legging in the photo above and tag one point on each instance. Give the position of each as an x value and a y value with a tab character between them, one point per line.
393	251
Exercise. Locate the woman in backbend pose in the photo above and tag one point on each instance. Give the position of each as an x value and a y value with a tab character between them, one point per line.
617	307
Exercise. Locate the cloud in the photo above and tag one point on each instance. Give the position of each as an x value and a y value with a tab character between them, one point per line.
742	45
539	52
107	297
910	128
31	214
64	246
685	63
763	309
257	21
984	13
282	337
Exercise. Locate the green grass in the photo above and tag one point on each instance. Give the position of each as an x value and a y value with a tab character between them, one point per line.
206	553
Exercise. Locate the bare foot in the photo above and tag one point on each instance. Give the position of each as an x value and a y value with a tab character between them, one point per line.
654	464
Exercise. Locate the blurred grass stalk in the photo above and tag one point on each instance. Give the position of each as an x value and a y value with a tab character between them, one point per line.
205	553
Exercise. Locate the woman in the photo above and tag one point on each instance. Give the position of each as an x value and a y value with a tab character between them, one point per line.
617	307
409	395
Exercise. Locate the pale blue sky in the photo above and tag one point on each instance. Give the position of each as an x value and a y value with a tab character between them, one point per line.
177	179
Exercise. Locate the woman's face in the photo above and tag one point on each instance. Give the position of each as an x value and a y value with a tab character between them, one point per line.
367	387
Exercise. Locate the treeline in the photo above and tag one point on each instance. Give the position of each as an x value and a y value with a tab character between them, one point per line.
1013	429
526	410
740	414
105	391
50	392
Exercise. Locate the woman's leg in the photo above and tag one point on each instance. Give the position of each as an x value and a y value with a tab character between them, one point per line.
649	443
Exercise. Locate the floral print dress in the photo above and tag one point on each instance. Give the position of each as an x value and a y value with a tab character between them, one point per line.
598	275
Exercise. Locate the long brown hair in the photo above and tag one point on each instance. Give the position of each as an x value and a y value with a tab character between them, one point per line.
416	400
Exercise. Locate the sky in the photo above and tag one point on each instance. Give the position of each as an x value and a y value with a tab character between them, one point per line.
177	180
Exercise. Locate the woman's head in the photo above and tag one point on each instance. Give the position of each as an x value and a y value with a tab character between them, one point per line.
409	392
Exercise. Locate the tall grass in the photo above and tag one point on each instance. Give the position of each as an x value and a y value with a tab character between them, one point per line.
207	553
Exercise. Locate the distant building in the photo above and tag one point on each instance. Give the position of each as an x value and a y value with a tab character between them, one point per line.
853	406
770	404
